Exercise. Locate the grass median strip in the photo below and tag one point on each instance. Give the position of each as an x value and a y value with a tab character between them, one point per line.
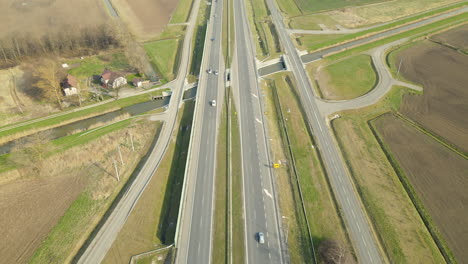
324	219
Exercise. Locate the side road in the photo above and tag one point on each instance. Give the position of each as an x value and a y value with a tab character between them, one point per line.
96	248
385	83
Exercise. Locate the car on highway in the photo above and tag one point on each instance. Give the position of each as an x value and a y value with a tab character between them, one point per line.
261	238
216	72
213	102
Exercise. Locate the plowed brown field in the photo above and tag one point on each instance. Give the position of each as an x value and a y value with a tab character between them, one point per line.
146	16
457	37
443	107
438	175
37	16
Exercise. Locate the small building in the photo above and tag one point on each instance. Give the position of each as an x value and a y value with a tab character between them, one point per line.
112	79
69	85
138	82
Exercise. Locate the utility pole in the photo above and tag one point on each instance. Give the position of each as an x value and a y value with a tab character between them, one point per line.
131	140
398	72
120	154
116	169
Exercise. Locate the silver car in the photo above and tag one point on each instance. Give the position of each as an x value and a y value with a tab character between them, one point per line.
261	238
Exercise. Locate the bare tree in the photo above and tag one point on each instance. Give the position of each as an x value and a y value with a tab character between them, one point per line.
332	251
48	74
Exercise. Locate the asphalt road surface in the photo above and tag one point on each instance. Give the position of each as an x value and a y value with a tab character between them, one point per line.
97	248
359	229
260	207
195	243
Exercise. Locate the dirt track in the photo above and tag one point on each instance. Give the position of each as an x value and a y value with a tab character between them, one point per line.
438	176
443	106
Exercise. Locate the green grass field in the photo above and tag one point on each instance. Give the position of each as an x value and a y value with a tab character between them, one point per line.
162	54
400	229
348	78
312	21
95	65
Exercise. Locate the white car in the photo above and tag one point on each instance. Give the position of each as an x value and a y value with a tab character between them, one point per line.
261	238
213	102
209	71
216	72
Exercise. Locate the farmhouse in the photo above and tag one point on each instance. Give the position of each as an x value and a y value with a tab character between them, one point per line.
112	79
138	82
69	85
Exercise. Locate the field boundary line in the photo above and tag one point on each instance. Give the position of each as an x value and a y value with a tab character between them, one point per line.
416	201
433	135
134	258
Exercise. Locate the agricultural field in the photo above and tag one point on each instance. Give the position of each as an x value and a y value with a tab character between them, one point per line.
31	17
401	230
309	6
66	196
347	79
438	176
145	18
442	72
456	38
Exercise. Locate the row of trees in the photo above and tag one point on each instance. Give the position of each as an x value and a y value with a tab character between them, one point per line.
67	41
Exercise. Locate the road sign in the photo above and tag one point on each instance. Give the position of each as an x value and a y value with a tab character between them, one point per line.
276	165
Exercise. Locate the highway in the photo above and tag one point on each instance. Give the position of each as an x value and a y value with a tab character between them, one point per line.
97	248
195	242
359	229
260	206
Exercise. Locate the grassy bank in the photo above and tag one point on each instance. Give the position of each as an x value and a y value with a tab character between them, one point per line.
309	6
152	222
348	78
198	42
28	129
163	54
399	227
264	32
221	224
323	216
73	228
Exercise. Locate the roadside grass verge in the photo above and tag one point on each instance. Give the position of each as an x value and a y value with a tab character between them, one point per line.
221	225
198	41
28	129
163	54
79	220
412	34
289	7
182	12
327	42
400	229
238	234
264	32
152	223
312	21
348	78
324	217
